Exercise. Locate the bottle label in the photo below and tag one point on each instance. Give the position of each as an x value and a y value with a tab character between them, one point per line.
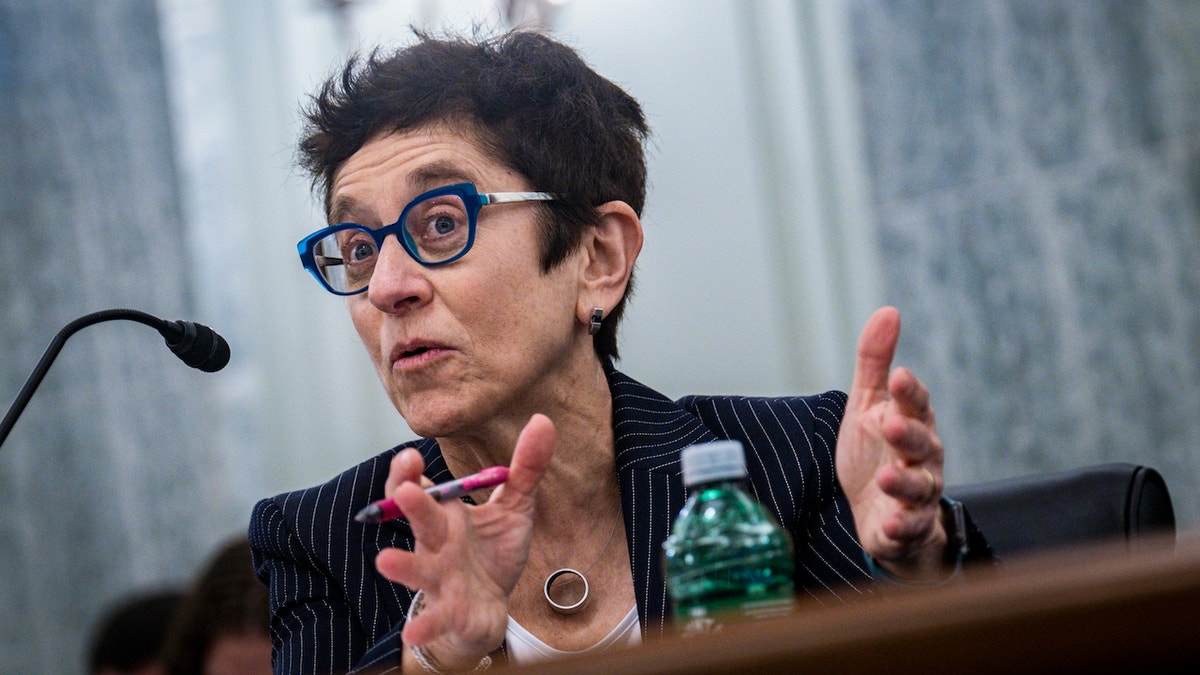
709	616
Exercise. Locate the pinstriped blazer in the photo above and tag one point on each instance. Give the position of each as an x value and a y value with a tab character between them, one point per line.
331	612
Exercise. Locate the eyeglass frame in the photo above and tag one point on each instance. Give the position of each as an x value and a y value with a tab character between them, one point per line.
472	199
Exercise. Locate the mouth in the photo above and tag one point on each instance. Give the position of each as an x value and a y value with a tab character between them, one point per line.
414	354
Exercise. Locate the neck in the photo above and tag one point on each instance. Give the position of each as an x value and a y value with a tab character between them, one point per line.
581	479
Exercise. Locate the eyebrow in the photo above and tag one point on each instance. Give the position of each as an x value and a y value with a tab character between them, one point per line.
424	178
436	174
340	210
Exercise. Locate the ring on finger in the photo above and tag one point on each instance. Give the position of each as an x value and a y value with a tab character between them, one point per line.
932	483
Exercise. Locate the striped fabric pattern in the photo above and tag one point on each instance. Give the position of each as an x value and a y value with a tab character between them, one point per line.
332	613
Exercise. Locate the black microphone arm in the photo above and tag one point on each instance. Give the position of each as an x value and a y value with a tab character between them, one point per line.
197	345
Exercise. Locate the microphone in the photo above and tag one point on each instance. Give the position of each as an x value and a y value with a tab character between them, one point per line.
195	344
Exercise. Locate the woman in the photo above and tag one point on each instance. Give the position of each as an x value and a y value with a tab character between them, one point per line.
485	198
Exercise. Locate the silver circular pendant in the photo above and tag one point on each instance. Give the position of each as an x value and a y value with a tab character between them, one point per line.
569	607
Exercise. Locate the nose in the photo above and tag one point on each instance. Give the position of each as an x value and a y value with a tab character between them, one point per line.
398	283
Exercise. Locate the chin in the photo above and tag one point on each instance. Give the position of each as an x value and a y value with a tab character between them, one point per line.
433	419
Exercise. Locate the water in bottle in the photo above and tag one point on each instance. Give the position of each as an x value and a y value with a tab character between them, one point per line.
726	557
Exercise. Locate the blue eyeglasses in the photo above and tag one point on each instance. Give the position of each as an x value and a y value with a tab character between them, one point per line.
436	228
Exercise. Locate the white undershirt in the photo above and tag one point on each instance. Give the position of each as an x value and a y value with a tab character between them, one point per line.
525	648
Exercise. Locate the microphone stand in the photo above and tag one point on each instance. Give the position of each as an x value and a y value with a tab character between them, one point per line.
173	332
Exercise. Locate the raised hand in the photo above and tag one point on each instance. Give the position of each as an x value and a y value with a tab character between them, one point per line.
889	457
467	559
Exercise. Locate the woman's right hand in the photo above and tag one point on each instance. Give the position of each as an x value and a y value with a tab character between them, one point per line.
467	559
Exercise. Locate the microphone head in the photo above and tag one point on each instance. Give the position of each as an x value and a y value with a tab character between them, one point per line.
197	345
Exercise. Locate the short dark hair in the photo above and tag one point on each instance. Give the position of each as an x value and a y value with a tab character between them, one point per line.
532	103
131	634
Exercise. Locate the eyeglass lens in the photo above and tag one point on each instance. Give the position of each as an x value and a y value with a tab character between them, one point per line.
434	230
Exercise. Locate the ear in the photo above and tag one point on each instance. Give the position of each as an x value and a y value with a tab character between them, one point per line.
609	251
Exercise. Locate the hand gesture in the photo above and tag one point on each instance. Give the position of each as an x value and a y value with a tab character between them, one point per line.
467	559
889	458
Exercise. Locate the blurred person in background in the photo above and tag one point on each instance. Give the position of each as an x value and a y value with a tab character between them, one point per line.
223	622
129	637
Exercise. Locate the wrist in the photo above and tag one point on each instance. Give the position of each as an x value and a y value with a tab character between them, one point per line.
430	661
938	561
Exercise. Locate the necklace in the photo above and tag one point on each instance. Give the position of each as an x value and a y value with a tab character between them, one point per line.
569	607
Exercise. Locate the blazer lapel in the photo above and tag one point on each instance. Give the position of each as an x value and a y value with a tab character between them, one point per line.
650	431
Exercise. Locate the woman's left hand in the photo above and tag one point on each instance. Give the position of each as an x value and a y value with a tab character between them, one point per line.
467	559
889	458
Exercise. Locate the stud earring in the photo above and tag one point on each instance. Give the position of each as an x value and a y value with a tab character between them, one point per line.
597	317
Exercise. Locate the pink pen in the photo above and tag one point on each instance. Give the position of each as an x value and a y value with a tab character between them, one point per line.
385	509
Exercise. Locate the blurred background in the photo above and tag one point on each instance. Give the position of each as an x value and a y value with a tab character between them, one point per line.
1021	178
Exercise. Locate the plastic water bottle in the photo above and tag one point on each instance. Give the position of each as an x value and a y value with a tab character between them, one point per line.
727	558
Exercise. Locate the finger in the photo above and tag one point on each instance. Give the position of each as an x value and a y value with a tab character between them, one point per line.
422	628
433	621
414	570
399	566
910	526
876	347
911	485
535	448
911	440
910	394
427	518
406	466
